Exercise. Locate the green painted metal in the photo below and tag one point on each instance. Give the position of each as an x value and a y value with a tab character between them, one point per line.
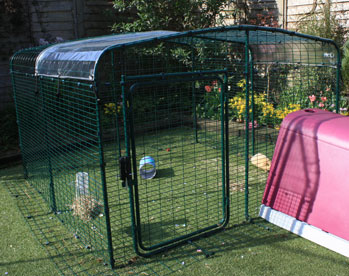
125	115
253	119
223	149
338	77
187	110
112	57
247	121
226	153
14	86
134	192
171	75
103	181
194	98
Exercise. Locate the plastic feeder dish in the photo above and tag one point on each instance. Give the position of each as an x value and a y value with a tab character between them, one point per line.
147	168
81	184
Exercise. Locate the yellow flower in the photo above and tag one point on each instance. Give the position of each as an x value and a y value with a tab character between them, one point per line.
241	83
110	108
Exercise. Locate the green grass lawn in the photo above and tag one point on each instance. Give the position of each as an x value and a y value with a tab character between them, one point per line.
185	196
249	249
20	254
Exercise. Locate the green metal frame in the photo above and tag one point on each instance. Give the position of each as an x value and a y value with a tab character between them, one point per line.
104	182
247	121
52	173
132	184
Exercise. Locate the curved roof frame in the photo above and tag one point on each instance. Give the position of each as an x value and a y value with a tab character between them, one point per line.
79	59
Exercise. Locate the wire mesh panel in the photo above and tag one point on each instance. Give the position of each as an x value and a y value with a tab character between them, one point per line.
289	74
59	129
187	155
29	107
196	115
71	122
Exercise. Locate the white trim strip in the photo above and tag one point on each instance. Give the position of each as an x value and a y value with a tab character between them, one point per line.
305	230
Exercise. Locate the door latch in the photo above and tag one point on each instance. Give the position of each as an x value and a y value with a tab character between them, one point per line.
125	170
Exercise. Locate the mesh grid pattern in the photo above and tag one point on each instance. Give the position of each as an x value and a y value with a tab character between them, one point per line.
202	144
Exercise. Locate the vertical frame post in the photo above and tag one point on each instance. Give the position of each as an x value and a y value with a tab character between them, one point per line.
223	144
128	93
47	151
128	154
226	122
252	103
194	99
115	101
247	115
103	179
338	75
20	138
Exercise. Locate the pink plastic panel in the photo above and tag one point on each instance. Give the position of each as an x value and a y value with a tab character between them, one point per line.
309	175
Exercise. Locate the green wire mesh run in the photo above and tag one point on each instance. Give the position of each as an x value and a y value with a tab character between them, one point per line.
206	105
72	258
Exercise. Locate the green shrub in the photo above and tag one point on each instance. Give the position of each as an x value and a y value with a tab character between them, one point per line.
175	15
345	65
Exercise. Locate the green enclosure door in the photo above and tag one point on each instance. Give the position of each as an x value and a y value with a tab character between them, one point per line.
178	120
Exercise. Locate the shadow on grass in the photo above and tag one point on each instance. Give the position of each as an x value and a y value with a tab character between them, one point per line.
167	172
72	258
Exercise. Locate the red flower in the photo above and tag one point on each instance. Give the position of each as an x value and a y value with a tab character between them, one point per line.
324	99
254	125
312	98
321	105
168	149
208	88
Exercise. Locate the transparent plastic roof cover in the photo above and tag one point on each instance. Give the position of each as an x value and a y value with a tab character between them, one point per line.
77	59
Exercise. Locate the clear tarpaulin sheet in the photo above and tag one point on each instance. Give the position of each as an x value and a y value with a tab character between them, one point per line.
78	59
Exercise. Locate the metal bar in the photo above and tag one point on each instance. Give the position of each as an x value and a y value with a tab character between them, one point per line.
115	101
194	100
181	242
226	119
252	104
245	28
338	75
247	111
47	151
20	138
124	111
135	209
136	85
222	116
248	28
128	181
219	39
225	150
134	227
104	182
179	74
134	183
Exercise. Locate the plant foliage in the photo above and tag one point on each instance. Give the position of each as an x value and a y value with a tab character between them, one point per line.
175	15
324	24
345	65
